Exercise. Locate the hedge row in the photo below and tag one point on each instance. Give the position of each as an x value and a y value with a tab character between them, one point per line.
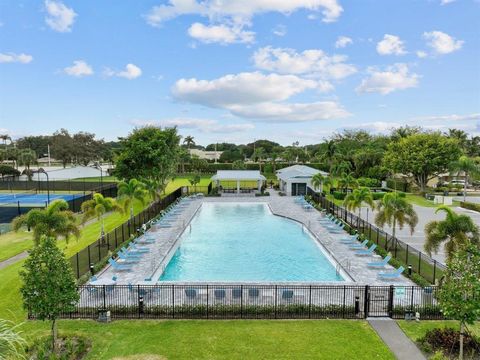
470	206
213	167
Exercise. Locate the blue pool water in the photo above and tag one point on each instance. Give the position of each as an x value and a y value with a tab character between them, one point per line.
246	242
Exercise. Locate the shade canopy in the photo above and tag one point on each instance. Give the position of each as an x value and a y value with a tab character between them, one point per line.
238	175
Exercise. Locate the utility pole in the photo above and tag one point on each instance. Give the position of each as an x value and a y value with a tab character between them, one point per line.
48	147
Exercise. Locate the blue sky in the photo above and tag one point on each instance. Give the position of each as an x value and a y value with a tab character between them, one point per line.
240	69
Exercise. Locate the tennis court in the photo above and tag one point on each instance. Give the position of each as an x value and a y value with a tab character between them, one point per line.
32	198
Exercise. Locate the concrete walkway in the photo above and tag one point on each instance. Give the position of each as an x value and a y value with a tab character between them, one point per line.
402	347
13	259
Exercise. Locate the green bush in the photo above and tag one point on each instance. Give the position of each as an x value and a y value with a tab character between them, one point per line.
368	182
378	195
447	340
338	195
8	170
75	347
470	206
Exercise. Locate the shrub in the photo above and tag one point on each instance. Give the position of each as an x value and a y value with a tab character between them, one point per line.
377	195
338	195
69	348
368	182
447	341
470	206
8	170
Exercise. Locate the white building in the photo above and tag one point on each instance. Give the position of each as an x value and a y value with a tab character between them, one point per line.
207	155
294	180
242	180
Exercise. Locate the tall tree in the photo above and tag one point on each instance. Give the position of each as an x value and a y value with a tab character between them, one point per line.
53	221
456	232
62	146
459	292
189	141
97	207
347	181
395	210
469	167
318	181
49	287
27	157
422	156
357	198
130	190
149	153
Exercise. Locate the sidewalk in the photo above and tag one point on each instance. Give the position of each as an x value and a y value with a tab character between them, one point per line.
402	347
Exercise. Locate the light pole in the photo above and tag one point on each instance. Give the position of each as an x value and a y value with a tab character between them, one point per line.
41	170
98	167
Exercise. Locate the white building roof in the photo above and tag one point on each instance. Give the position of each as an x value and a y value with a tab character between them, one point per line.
298	172
238	175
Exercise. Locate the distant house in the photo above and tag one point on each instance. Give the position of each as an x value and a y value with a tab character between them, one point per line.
206	155
294	180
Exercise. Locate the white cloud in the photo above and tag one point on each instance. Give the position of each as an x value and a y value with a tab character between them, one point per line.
15	58
240	11
202	125
78	69
280	30
442	43
296	112
343	41
314	62
243	88
131	72
222	34
391	45
258	96
60	18
451	117
445	2
396	77
421	54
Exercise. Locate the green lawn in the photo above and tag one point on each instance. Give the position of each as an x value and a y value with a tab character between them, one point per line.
238	339
13	243
417	330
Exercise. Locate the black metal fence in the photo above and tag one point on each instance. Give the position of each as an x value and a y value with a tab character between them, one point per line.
422	264
250	301
101	249
52	185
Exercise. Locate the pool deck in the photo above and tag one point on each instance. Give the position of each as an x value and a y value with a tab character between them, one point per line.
153	263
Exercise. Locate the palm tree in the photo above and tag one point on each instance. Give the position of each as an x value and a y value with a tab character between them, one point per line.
97	207
357	198
53	221
469	168
456	231
347	181
154	189
189	141
129	191
393	210
5	137
258	155
318	180
328	154
27	157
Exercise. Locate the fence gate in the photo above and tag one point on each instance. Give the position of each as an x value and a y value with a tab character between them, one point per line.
379	301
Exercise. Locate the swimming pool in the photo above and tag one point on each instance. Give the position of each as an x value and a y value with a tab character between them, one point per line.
246	242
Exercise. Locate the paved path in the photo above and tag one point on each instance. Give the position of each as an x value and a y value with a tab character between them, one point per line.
13	259
425	215
402	347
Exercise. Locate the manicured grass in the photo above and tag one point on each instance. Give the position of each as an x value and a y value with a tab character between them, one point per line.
239	339
419	200
97	179
184	181
13	243
417	330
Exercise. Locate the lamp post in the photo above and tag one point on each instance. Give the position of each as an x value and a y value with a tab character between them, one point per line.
98	167
41	170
